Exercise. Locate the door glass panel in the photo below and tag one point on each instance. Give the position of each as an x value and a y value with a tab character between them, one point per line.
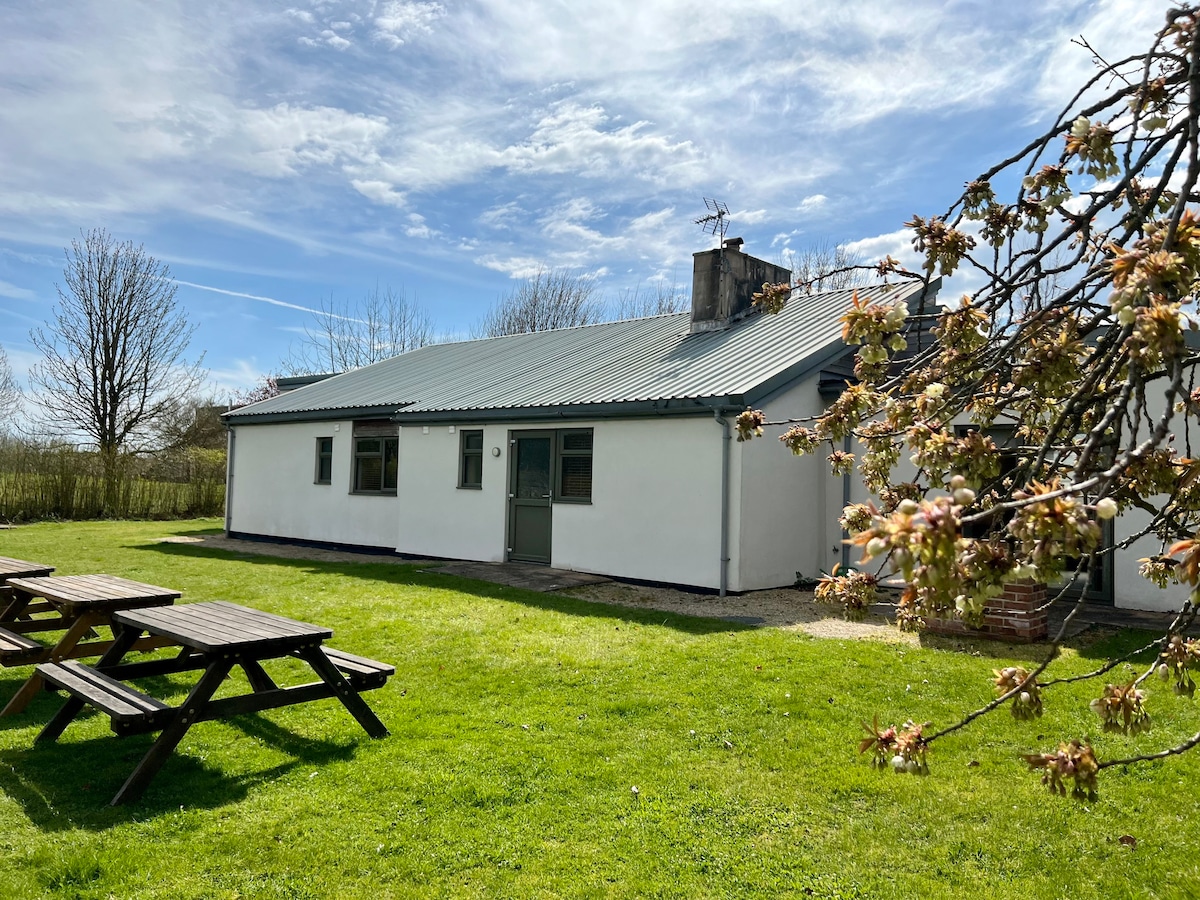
533	468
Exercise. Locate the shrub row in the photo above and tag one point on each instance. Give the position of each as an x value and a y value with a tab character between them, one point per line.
41	482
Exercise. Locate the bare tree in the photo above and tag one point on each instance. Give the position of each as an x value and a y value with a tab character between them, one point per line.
826	267
194	422
657	300
113	353
552	298
344	335
10	395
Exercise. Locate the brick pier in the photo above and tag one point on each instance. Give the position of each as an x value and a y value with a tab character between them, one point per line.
1013	616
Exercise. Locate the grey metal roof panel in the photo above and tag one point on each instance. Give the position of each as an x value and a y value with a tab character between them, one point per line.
636	360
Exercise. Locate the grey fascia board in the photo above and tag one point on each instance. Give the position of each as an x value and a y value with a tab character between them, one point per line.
313	415
693	406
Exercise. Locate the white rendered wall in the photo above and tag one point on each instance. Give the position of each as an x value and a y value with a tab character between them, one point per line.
656	503
436	517
273	492
789	504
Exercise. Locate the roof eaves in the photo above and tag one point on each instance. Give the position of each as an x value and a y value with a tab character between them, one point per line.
313	415
621	409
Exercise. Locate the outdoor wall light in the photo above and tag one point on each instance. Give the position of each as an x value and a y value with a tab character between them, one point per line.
495	451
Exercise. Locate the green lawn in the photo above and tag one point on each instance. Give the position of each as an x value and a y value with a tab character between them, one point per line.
520	724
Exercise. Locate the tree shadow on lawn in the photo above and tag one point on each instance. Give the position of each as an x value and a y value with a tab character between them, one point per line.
69	784
410	575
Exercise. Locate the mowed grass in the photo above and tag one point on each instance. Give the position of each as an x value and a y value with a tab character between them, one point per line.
520	725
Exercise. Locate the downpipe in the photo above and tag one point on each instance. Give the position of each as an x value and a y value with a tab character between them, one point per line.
231	434
726	438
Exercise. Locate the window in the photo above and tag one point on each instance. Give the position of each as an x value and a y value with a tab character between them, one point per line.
574	477
375	464
470	467
324	473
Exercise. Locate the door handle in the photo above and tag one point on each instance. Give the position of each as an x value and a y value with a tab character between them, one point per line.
545	496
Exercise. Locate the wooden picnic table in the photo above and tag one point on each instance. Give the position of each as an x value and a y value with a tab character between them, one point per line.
75	605
214	638
20	568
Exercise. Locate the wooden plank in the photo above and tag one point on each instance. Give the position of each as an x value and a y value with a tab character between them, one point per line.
10	640
95	590
118	700
18	650
221	626
21	568
357	665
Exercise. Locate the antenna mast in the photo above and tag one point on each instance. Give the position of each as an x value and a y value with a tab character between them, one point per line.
716	221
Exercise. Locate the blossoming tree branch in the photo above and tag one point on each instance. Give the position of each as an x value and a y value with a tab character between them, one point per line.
1087	243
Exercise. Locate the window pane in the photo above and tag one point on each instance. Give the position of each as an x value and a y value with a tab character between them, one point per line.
473	440
366	445
391	448
325	469
472	470
576	477
368	473
577	441
533	468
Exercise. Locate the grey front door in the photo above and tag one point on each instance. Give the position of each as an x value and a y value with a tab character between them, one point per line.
529	495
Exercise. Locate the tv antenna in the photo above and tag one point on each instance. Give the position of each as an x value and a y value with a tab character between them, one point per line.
716	221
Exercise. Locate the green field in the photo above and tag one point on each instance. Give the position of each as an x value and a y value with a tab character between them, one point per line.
520	725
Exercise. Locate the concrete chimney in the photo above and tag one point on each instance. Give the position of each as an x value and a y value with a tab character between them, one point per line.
724	283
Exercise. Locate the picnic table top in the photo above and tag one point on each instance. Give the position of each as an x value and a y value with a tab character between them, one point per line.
94	591
218	626
21	568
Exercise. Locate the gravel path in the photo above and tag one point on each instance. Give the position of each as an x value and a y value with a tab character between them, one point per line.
784	608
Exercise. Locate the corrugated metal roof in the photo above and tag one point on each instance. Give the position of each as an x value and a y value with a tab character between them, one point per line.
637	360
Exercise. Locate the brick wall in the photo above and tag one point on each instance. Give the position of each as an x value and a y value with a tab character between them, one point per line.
1014	616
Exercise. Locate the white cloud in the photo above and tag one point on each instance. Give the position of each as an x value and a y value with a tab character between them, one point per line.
513	267
417	228
16	293
399	20
1115	28
812	203
380	192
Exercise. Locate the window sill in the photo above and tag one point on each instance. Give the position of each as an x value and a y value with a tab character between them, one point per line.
575	501
372	493
470	487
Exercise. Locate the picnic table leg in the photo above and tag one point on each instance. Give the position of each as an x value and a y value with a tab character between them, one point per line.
350	698
125	639
17	602
165	744
257	676
61	651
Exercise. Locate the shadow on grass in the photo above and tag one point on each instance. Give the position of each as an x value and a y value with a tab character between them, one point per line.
410	575
69	784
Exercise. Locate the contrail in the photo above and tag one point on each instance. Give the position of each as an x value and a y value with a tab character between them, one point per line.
261	299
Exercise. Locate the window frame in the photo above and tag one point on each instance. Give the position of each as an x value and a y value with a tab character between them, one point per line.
465	453
561	453
324	455
389	450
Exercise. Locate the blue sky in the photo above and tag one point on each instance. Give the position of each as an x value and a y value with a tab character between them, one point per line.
275	156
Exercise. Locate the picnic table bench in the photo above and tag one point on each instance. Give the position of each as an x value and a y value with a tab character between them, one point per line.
75	605
214	638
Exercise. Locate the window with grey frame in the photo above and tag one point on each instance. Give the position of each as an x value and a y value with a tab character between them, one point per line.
470	459
573	478
375	465
324	468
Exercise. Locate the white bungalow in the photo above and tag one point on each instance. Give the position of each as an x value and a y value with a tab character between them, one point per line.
605	448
